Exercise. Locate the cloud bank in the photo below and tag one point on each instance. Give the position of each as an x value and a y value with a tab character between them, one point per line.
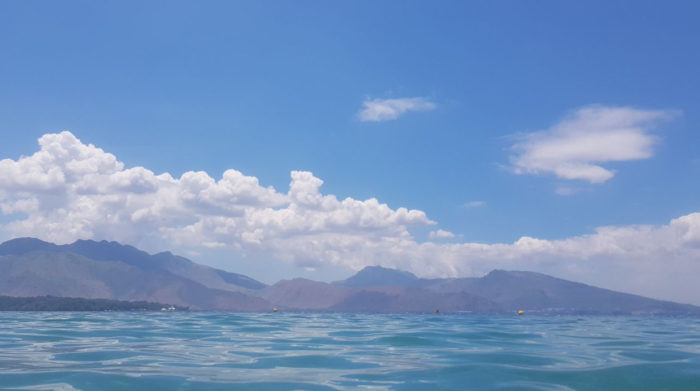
68	190
577	146
377	110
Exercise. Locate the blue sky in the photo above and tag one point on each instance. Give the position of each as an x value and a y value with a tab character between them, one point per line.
271	87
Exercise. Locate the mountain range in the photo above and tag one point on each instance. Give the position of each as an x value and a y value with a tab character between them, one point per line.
109	270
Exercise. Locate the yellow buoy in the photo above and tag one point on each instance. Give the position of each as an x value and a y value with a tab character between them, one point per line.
521	312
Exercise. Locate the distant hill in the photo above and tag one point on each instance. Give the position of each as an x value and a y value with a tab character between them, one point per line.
116	252
109	270
379	276
535	292
303	294
52	303
498	292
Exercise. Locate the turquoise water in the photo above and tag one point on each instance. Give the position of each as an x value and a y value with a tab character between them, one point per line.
221	351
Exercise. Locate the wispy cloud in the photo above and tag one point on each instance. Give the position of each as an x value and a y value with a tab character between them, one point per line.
377	110
441	234
565	190
577	146
474	204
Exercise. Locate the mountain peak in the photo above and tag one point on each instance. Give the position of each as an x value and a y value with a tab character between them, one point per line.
379	275
21	246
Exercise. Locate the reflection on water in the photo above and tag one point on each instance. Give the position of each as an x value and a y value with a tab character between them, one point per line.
278	351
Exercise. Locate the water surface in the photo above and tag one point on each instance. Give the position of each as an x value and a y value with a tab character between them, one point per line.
284	351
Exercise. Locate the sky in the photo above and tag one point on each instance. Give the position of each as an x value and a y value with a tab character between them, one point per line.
310	139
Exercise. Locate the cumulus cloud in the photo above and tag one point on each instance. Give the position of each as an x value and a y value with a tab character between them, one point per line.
68	190
579	145
376	110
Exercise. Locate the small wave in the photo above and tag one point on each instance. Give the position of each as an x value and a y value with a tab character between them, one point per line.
203	351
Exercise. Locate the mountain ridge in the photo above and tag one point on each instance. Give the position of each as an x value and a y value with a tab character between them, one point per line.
377	276
110	270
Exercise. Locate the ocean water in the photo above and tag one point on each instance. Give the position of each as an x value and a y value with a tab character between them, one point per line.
285	351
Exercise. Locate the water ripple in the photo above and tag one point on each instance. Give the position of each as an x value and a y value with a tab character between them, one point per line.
190	351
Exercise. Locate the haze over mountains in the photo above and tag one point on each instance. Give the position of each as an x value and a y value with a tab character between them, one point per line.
90	269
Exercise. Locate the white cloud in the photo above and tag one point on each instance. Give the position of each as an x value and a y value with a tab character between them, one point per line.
68	190
474	204
376	110
577	146
441	234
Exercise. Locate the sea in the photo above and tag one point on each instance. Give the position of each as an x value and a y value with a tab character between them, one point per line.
322	351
